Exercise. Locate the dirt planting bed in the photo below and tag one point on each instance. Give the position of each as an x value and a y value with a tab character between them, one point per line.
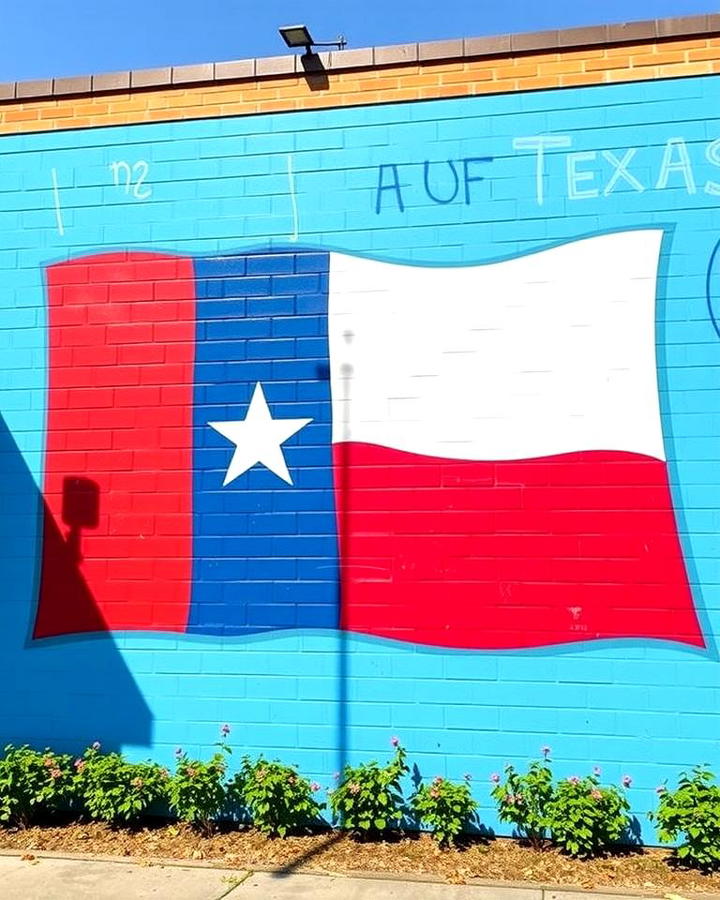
498	860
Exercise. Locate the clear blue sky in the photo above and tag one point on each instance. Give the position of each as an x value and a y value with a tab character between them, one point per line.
45	38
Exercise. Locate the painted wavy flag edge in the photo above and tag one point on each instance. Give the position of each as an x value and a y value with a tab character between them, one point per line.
482	617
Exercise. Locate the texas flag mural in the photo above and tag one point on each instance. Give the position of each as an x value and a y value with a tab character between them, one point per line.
465	457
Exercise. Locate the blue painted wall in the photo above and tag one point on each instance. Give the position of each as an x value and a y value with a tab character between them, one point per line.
354	180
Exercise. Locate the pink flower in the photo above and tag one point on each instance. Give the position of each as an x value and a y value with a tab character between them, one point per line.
291	779
437	779
164	773
596	795
597	770
495	778
225	730
79	764
573	779
55	773
626	781
261	774
395	741
314	786
546	750
137	782
354	787
190	772
96	745
434	792
48	763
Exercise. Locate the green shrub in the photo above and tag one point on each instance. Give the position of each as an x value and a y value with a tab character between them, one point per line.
369	797
523	799
446	809
114	790
585	818
32	782
196	791
277	798
692	811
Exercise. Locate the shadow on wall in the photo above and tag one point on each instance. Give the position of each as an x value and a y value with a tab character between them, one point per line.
315	72
71	691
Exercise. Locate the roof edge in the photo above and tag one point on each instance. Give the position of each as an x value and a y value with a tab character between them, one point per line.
364	58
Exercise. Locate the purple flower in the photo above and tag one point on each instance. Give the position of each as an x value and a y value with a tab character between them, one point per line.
336	775
546	750
178	752
495	778
314	786
573	779
626	781
96	745
660	789
597	770
467	776
395	741
225	730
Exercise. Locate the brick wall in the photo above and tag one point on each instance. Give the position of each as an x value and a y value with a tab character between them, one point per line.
670	58
470	294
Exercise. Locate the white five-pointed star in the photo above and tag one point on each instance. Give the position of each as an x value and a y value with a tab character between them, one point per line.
258	438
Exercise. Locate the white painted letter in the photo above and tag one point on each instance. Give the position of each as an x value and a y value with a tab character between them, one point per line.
681	164
712	154
116	168
574	178
621	171
141	175
540	143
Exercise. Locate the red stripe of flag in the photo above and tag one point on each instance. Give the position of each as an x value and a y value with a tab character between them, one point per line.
512	554
117	543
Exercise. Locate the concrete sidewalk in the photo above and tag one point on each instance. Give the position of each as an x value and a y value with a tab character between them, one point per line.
81	879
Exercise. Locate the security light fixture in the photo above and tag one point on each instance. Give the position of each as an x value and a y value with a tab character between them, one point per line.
299	36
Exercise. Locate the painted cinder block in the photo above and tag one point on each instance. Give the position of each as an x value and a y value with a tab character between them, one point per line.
220	190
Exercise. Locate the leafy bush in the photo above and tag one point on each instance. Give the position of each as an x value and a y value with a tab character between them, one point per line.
524	799
445	808
692	810
369	796
197	791
113	790
277	798
586	819
32	782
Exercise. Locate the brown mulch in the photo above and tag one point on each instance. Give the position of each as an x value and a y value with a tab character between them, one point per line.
497	860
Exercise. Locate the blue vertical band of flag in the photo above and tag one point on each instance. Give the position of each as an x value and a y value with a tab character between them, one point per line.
265	553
